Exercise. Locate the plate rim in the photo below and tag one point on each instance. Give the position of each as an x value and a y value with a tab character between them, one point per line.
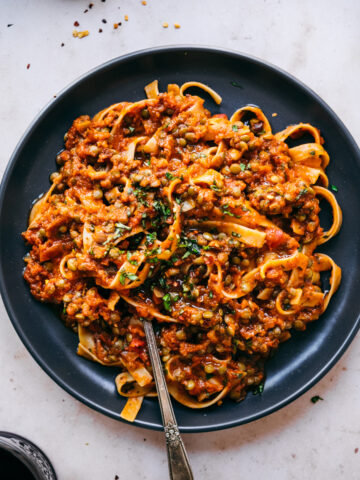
7	176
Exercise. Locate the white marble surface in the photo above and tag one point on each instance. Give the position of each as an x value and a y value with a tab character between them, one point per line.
317	41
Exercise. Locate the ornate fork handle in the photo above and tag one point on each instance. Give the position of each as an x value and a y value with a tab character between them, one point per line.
179	466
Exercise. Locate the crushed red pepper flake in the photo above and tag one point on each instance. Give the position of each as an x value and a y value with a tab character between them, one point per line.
28	66
62	45
104	20
100	30
91	5
10	25
116	477
356	450
76	23
86	10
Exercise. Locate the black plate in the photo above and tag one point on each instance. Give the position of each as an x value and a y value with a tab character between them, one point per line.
300	362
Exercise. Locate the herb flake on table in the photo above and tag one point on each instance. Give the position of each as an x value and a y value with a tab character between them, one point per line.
316	398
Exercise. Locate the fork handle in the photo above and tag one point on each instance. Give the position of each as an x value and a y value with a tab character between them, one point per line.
179	466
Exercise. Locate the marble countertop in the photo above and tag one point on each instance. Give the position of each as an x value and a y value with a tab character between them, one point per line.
318	42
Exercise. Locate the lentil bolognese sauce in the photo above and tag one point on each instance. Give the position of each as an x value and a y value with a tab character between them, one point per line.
205	225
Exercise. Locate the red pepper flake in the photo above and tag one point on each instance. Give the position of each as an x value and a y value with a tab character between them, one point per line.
76	24
116	477
104	20
91	5
62	45
100	30
356	450
28	66
10	25
103	1
54	96
85	11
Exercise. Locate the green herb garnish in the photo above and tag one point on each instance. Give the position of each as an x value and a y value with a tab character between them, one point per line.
316	398
226	211
162	209
191	246
237	85
130	276
258	390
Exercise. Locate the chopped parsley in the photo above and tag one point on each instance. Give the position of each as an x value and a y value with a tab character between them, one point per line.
334	188
168	300
154	251
301	193
237	85
129	256
170	176
235	234
312	152
150	238
215	187
162	209
226	211
191	246
141	196
235	128
131	129
119	231
258	390
211	294
130	276
316	398
242	166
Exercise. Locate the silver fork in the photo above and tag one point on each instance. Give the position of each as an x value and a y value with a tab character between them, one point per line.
179	467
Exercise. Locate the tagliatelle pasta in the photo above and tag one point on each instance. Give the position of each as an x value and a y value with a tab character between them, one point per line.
202	224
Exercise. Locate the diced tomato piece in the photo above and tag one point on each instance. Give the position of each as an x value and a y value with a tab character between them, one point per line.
275	237
136	343
220	115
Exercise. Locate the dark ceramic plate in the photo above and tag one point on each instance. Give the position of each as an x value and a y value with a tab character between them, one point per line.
240	80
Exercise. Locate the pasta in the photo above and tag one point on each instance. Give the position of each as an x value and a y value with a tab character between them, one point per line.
204	225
